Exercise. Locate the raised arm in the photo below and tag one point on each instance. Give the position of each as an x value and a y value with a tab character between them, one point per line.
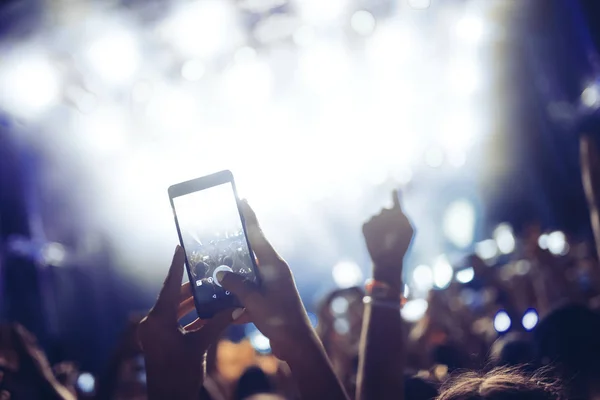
277	311
590	172
382	353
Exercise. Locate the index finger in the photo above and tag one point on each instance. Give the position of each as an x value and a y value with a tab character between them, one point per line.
396	200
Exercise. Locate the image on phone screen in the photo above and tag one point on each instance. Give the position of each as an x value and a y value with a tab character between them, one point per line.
213	237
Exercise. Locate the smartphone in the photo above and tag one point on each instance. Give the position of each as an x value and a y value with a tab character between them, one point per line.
212	232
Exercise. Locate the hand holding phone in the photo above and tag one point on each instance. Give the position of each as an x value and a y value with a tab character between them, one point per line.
212	232
174	356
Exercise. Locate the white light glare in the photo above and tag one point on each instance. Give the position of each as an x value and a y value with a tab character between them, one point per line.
423	277
465	275
363	22
193	70
470	28
414	310
591	96
557	243
459	223
502	322
347	274
543	241
248	84
339	305
260	342
419	4
503	234
28	85
530	319
202	28
487	249
86	382
321	12
53	254
115	57
442	272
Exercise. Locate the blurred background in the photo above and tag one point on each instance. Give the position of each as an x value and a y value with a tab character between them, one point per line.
473	108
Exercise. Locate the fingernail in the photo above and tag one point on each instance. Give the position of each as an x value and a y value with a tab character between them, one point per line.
237	313
220	275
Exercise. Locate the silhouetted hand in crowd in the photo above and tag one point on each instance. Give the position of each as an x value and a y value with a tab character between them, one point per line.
174	355
382	351
277	311
388	236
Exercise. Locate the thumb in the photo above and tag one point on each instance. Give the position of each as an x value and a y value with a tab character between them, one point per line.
212	330
245	290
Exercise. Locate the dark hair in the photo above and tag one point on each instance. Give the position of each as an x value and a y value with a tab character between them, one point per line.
569	338
499	384
253	381
514	349
416	388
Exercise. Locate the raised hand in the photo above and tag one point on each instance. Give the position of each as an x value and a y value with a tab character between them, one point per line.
388	236
274	307
174	355
277	311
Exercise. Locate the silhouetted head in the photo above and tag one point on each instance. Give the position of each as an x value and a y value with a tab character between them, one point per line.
569	339
253	382
499	384
450	355
512	350
416	388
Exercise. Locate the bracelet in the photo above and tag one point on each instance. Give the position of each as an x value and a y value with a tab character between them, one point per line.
395	305
381	290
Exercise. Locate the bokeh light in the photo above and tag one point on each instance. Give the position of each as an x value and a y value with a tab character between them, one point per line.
459	223
505	240
442	272
414	310
347	274
422	277
465	275
502	322
557	243
530	319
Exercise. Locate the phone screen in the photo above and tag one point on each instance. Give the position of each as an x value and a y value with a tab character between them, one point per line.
213	236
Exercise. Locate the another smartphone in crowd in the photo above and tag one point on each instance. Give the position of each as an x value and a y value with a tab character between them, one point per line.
212	231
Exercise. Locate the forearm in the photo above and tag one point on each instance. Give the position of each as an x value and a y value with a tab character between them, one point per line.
382	355
313	373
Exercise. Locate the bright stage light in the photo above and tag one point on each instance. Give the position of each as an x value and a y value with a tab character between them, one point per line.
442	272
193	70
465	275
115	56
173	110
502	322
422	277
325	67
202	28
530	319
487	249
464	77
104	130
459	223
320	12
248	84
543	241
470	28
29	84
347	274
557	243
591	96
363	22
414	310
419	4
503	235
